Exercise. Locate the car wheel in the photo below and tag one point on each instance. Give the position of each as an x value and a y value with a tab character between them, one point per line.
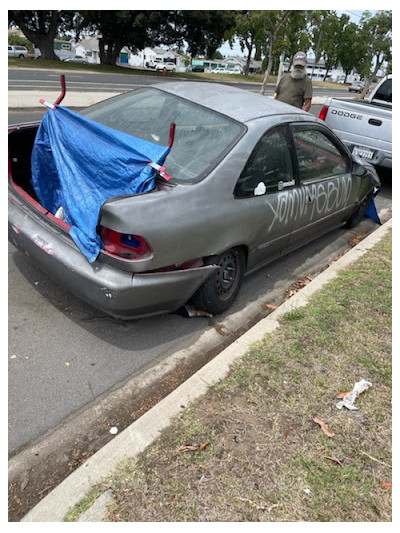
21	56
220	290
359	213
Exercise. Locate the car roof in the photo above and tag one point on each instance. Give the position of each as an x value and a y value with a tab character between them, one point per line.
239	104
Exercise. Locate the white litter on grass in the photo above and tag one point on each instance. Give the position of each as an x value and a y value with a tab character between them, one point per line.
349	399
114	430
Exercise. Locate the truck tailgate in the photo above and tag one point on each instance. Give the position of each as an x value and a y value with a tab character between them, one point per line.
365	128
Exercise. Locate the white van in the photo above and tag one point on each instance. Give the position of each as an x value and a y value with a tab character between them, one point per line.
17	51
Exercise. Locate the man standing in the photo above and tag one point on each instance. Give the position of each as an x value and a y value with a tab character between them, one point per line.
295	88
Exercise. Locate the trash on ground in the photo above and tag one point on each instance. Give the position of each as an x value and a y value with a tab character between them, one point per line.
324	427
114	430
193	447
297	286
350	397
192	311
342	394
353	241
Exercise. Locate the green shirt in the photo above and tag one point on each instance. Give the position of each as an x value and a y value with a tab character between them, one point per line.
294	92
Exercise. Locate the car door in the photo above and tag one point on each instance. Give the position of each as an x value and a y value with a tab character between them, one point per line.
263	192
325	188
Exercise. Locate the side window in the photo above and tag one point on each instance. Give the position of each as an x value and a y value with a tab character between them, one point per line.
317	156
269	167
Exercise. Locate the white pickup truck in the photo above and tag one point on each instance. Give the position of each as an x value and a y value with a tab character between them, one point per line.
365	126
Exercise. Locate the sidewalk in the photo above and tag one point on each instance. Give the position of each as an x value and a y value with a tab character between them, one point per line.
147	429
30	99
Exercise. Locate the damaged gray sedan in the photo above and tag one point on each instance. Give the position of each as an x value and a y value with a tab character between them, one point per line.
250	179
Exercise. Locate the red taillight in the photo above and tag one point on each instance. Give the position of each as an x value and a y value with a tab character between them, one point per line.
125	246
323	112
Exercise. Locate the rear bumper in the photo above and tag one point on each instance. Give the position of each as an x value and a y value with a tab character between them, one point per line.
116	292
382	155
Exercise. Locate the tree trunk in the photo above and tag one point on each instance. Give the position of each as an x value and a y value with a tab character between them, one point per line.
378	64
42	38
247	66
109	52
268	71
272	38
46	47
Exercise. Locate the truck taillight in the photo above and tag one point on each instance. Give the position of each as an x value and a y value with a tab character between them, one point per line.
125	246
323	112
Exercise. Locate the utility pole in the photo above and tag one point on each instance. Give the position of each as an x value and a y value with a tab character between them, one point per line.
281	67
317	52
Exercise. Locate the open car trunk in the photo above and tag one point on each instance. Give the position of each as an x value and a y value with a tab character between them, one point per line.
76	165
20	144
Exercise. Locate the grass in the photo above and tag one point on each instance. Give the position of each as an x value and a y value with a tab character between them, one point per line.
267	459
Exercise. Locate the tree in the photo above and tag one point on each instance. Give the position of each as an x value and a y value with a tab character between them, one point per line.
203	31
377	32
274	23
15	39
134	29
296	36
219	24
349	53
248	31
41	27
333	29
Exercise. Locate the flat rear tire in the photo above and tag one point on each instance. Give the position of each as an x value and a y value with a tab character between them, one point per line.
220	290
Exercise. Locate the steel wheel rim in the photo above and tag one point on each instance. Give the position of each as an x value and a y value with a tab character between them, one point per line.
226	279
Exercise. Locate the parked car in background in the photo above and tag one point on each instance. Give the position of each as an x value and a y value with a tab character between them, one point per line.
234	70
171	67
76	59
218	70
251	178
356	87
195	68
365	126
17	51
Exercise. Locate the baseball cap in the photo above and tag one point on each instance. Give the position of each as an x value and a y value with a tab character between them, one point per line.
300	58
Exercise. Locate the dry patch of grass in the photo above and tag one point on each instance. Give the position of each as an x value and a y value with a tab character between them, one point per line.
267	459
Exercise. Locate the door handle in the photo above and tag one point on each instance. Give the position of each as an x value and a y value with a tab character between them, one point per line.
310	198
375	122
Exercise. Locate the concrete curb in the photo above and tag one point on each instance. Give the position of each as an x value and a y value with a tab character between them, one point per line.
134	439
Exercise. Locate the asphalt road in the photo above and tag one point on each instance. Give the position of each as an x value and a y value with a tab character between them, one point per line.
30	79
65	355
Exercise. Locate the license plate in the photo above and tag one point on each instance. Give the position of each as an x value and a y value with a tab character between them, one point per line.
365	153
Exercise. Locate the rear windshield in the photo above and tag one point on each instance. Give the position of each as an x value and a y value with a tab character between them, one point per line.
384	93
202	136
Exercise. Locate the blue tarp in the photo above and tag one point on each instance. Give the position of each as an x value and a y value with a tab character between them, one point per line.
371	211
78	164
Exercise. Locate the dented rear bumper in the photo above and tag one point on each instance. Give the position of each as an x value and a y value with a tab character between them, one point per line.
116	292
